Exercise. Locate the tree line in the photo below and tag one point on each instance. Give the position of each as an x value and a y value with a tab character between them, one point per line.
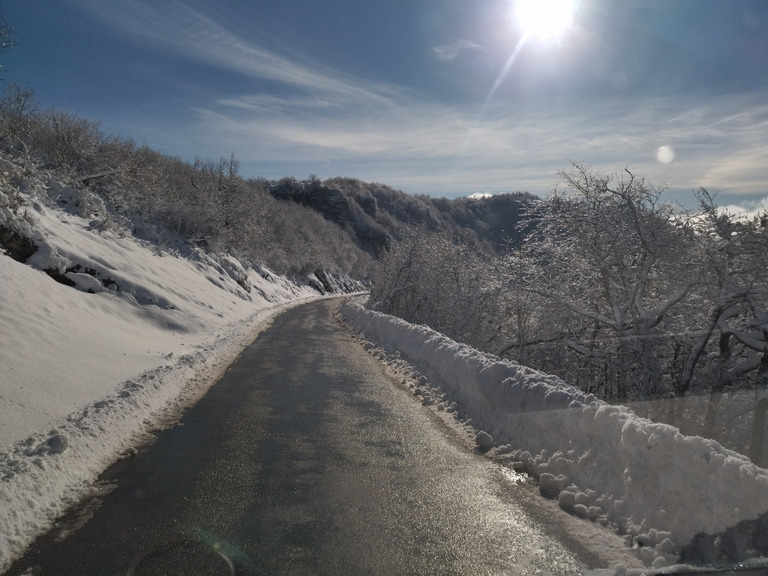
607	286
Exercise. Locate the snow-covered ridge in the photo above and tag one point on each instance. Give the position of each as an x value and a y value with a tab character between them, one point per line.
602	462
103	336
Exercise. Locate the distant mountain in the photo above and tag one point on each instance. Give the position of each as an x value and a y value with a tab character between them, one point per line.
376	215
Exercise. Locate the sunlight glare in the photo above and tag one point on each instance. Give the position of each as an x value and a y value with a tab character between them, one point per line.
544	18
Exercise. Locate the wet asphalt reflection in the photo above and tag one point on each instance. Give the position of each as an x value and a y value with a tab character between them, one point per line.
304	459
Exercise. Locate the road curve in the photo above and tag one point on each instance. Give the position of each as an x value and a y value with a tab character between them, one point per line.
306	458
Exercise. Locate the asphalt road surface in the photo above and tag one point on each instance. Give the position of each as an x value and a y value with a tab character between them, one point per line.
306	458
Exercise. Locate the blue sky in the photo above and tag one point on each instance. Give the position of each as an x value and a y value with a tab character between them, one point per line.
402	91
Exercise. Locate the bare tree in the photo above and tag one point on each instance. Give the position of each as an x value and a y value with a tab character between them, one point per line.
736	256
609	257
432	278
16	106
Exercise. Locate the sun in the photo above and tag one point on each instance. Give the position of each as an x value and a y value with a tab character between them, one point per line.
544	18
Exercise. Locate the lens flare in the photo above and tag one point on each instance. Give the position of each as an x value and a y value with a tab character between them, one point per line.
665	154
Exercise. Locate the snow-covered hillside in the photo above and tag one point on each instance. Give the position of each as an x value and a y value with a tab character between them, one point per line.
664	490
125	335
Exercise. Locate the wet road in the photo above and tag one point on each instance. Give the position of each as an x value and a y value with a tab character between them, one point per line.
304	459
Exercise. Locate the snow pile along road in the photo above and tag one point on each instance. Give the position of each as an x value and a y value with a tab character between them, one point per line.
102	336
601	462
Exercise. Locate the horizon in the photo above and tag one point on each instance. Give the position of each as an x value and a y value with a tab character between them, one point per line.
440	97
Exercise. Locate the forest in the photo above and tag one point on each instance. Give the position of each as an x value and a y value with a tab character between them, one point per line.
602	282
606	285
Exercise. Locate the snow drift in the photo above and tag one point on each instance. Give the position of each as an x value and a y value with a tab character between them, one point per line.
601	462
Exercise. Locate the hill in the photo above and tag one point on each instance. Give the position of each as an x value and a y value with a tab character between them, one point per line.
294	227
376	215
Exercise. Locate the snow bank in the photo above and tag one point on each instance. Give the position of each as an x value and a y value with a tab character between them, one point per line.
128	308
101	337
602	462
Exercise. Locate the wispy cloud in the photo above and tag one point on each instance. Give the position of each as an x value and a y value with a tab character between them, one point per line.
327	120
265	104
447	52
434	147
195	35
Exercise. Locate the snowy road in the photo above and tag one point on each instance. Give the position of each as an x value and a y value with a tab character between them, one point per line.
304	459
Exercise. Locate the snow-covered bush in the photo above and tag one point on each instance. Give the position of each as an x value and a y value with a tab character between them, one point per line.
431	278
18	189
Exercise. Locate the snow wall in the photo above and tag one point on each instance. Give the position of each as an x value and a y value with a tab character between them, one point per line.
601	461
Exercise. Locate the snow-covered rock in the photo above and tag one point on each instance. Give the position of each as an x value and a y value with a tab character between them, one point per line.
483	440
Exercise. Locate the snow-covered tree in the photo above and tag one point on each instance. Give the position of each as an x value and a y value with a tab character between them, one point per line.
735	252
612	262
16	105
430	278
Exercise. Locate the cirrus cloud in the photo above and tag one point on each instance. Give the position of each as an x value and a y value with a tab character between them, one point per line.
448	52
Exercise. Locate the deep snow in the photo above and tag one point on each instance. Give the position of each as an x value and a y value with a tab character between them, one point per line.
87	370
601	462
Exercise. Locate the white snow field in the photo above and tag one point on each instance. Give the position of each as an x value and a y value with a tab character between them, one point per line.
601	462
86	370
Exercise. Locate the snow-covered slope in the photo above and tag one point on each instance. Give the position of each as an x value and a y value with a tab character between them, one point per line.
601	462
124	336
